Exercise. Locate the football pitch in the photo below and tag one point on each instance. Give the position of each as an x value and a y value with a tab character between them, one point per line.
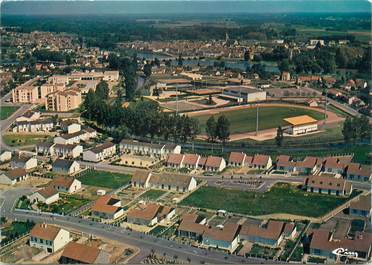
244	120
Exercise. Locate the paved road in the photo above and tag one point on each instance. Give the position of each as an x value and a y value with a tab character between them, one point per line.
268	179
142	241
10	197
5	124
344	107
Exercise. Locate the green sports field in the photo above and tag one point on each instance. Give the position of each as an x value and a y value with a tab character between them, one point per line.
244	120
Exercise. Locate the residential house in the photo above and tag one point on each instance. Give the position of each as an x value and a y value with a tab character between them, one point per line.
261	162
173	182
323	244
190	161
67	150
25	162
65	184
70	126
100	152
140	179
47	195
70	138
192	226
268	233
215	164
328	185
13	176
107	207
153	150
5	156
226	238
66	167
308	166
150	214
45	149
355	171
175	160
50	238
44	125
76	253
29	116
361	206
236	159
336	164
284	162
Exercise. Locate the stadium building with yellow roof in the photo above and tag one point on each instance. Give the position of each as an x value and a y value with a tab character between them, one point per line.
302	125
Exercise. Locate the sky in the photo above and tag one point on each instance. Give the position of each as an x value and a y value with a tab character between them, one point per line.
32	7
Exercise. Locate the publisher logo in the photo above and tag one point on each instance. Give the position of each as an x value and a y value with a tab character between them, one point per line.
344	252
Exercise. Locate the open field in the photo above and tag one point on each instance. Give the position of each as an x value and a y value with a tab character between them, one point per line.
104	179
21	140
244	120
6	111
282	198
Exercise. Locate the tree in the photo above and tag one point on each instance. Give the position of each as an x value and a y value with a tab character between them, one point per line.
223	129
102	90
211	129
147	70
113	60
68	59
364	127
180	60
348	130
284	65
246	55
279	136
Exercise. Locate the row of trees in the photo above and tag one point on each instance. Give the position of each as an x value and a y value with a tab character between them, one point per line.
128	69
141	118
218	130
357	128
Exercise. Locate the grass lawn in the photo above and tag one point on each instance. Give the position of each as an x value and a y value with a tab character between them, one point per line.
244	120
289	245
105	179
15	230
6	111
297	254
152	195
65	205
282	198
21	140
262	251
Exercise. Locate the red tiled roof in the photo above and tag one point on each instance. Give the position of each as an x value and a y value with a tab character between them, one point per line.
272	230
175	159
213	161
105	204
260	160
237	157
45	231
191	159
81	253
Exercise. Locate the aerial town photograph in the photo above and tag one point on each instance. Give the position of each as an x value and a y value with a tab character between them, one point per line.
185	132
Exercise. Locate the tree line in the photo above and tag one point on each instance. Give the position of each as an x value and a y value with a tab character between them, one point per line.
356	129
218	130
141	118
